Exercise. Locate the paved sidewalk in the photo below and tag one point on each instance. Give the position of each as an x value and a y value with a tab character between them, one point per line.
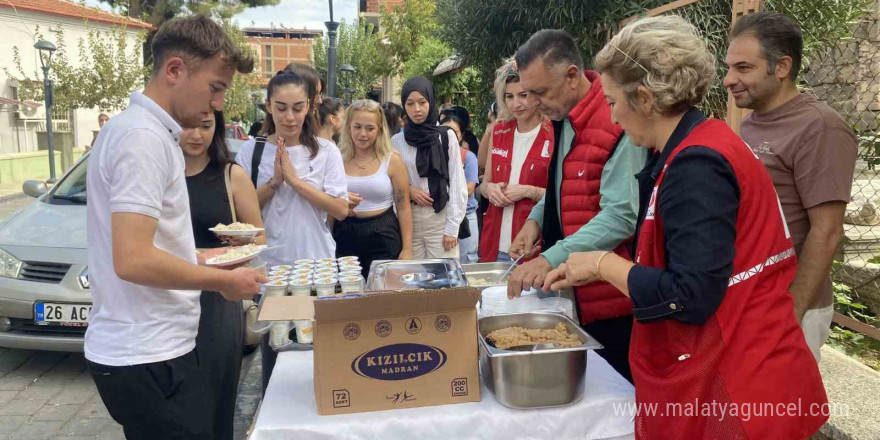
51	395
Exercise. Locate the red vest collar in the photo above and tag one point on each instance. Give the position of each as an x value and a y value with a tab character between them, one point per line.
595	97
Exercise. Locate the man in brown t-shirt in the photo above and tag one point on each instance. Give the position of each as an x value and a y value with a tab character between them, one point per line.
807	148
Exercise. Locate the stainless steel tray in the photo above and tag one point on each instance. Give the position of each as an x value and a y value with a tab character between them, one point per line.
482	275
440	273
534	379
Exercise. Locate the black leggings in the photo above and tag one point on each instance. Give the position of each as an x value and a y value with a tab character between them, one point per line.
369	239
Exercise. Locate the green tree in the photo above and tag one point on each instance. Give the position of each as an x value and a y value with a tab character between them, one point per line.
426	58
361	47
157	12
238	99
109	69
407	27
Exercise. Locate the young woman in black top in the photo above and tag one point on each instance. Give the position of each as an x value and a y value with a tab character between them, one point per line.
219	341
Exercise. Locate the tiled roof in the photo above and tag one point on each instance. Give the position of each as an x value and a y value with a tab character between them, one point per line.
73	10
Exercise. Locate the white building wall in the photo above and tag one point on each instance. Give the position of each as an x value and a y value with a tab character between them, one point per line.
17	29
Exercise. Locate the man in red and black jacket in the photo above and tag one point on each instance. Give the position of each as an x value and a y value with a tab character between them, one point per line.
592	197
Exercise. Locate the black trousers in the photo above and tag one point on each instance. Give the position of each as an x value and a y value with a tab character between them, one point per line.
161	400
614	334
219	344
369	239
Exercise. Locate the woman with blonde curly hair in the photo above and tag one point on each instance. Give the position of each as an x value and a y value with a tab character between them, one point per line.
377	180
715	324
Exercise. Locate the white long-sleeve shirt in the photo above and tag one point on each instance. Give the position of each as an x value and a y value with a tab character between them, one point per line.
456	207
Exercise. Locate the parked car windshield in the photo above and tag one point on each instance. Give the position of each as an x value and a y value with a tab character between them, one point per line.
72	188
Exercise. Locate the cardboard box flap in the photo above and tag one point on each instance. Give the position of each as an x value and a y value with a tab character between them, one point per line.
391	303
287	308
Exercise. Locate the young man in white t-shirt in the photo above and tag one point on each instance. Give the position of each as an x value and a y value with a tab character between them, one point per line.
145	274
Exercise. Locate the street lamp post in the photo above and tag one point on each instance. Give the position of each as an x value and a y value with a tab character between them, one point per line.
331	53
347	70
46	48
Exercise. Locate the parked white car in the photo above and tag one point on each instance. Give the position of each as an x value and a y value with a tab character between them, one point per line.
44	284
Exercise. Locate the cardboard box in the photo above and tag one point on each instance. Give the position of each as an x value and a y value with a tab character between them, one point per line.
389	350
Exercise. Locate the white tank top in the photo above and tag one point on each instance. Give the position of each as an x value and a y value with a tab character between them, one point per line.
376	190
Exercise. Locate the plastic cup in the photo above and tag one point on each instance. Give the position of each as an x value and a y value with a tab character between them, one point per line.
327	260
304	328
300	276
351	259
304	261
302	270
349	273
277	272
352	284
325	287
276	288
300	287
279	334
325	273
281	267
277	278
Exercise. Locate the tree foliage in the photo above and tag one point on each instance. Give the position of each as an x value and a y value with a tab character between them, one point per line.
239	99
487	31
426	58
157	12
407	27
109	68
824	23
361	47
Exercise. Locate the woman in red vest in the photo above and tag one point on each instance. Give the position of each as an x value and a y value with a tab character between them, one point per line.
716	351
516	171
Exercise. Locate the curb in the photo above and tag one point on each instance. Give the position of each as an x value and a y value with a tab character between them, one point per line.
11	197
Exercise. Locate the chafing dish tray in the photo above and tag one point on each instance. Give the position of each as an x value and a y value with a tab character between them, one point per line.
534	379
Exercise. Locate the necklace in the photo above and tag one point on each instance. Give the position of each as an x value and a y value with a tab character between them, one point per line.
363	164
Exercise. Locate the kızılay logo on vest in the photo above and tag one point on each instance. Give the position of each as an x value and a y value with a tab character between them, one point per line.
399	361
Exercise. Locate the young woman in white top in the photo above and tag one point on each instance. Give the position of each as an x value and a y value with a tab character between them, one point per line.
377	175
436	177
300	180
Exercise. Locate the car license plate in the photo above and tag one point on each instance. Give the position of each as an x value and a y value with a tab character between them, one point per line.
76	315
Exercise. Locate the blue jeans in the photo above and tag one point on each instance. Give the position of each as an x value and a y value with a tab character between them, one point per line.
504	257
469	248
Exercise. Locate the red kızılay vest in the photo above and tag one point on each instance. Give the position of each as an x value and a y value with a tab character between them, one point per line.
533	172
595	140
751	354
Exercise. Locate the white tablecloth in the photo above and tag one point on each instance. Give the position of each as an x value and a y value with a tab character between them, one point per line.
288	412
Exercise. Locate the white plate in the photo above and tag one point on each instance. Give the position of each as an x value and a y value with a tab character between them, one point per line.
242	233
213	262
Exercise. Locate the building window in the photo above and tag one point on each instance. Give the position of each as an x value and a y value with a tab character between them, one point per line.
268	72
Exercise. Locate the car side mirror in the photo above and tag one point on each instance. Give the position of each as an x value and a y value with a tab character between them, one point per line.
34	188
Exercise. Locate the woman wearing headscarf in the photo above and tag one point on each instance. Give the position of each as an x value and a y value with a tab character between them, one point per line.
436	177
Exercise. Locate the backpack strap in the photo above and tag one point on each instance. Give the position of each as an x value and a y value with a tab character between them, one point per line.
257	157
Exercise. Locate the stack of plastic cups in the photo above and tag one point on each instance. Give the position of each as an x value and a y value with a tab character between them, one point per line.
494	302
300	282
278	331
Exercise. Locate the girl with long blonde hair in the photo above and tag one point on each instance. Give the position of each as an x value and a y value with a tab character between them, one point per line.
377	180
